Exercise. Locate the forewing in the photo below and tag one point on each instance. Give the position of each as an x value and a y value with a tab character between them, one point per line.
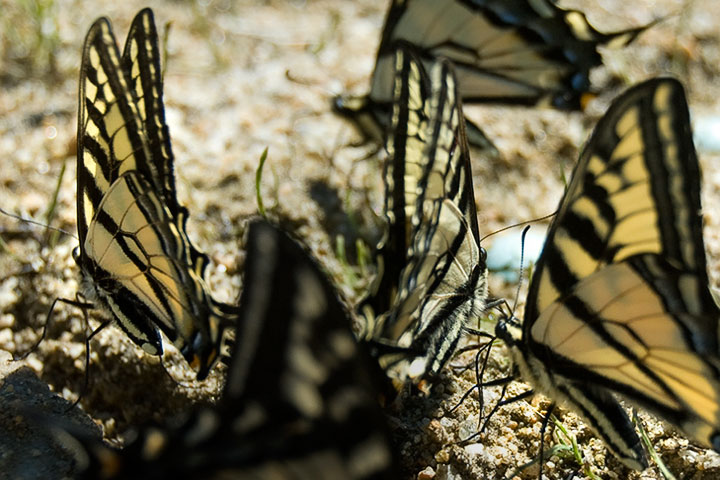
111	139
403	171
635	190
141	59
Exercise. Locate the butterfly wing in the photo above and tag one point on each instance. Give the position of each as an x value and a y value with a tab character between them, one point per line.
316	377
620	301
135	255
517	52
443	282
110	133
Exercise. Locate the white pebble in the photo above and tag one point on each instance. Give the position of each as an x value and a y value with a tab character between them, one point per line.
475	449
707	133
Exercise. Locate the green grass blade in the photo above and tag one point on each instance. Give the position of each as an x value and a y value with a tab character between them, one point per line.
653	453
258	179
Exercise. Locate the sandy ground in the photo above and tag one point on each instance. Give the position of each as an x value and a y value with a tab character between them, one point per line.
247	75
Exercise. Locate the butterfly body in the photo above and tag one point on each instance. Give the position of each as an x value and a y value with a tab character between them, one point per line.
620	300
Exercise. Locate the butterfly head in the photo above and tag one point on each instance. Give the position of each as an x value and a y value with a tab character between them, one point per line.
200	355
509	329
76	253
370	117
349	105
211	344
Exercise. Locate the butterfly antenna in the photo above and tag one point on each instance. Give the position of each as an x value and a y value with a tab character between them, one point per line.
48	318
522	268
528	222
36	223
86	381
543	428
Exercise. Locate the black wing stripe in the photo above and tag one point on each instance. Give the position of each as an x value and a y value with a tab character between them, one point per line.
676	157
607	417
604	220
651	388
133	250
403	169
141	58
121	109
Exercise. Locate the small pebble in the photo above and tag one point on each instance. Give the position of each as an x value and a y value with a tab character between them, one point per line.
475	449
443	456
426	474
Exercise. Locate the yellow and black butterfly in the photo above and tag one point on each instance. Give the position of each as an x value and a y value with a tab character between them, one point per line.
135	255
432	274
300	399
524	52
620	302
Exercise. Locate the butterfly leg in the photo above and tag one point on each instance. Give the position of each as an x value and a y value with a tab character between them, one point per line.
86	381
48	317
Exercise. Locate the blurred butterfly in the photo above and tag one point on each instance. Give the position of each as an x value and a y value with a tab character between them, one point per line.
301	398
432	273
135	256
524	52
620	302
